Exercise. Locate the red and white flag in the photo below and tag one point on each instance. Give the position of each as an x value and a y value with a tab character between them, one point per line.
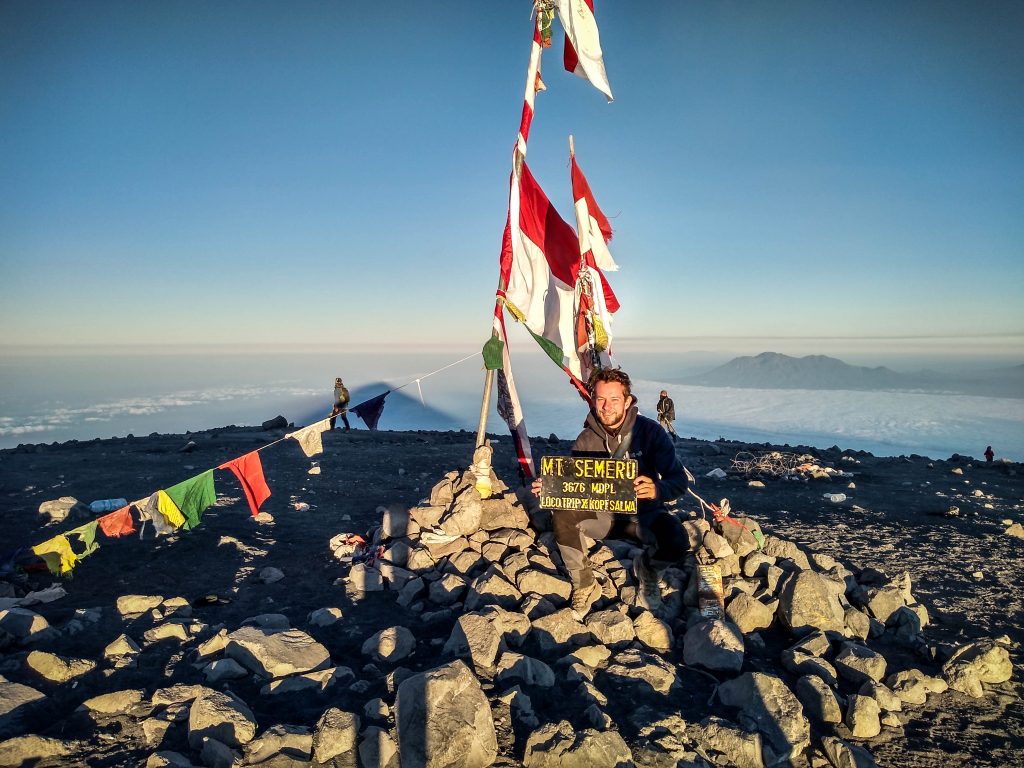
583	54
540	267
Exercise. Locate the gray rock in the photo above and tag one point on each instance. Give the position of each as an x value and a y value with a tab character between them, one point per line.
557	745
363	578
310	681
633	667
512	625
840	754
218	716
278	422
378	750
114	703
862	716
58	669
858	624
217	754
984	661
171	630
807	602
858	663
280	744
122	646
560	632
336	736
447	590
800	663
492	588
714	645
31	750
544	584
463	518
884	602
818	699
749	614
767	704
719	737
167	759
213	645
274	621
653	632
912	686
475	637
391	644
783	549
178	694
16	701
503	513
24	625
887	700
394	521
1016	530
325	617
224	669
444	719
611	628
741	537
136	605
276	654
270	575
515	666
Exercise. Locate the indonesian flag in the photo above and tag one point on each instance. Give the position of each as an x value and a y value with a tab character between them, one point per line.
593	318
540	266
583	54
595	231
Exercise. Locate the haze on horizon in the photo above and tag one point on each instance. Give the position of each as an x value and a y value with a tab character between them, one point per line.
814	178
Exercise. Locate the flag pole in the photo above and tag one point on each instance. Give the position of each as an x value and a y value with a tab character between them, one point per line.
518	155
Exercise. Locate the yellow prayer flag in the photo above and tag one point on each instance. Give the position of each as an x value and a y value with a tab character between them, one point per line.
57	554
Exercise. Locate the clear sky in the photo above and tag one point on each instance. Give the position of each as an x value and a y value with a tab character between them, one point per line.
328	172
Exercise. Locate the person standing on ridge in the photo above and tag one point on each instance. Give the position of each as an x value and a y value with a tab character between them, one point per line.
989	455
614	428
340	404
667	414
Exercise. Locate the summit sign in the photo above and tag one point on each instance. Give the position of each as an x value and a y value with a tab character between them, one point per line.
586	483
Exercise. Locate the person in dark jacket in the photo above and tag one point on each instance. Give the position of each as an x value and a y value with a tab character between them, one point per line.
612	421
667	414
340	404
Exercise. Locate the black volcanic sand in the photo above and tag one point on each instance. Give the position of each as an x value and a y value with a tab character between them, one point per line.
894	520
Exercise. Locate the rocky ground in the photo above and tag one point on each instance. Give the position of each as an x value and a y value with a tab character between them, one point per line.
884	627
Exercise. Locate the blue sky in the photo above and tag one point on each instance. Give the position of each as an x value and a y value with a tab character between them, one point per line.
329	172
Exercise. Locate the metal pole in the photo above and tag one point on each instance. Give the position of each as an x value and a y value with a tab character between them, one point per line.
485	407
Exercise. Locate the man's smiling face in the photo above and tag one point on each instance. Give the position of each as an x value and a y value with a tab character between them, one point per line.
610	402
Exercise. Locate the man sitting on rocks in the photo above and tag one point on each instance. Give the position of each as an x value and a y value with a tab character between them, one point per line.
614	428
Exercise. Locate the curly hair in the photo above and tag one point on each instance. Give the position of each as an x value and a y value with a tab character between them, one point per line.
609	375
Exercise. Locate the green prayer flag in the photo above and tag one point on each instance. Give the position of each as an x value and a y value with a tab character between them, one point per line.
550	349
193	496
87	536
492	353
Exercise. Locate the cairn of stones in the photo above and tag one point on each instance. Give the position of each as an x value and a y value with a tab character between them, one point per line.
807	665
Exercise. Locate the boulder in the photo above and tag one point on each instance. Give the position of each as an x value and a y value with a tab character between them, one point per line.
224	669
912	686
737	747
862	716
24	625
611	628
444	719
336	736
841	754
530	671
58	669
634	667
278	422
32	750
378	749
15	702
559	632
715	645
557	745
492	588
653	632
766	703
984	661
475	637
808	602
391	644
749	614
136	605
858	663
220	717
818	699
114	703
58	510
276	654
282	745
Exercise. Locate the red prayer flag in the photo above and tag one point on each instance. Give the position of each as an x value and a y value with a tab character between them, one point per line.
117	523
249	471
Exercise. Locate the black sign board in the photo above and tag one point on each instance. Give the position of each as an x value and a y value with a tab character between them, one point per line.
598	484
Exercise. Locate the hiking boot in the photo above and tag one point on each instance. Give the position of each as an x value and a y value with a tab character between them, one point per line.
584	597
648	589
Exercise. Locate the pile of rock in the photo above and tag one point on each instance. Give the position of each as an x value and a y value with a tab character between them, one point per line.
490	665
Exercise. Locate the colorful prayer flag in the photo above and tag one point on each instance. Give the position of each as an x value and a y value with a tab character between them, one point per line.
370	410
583	55
193	496
309	438
57	554
249	471
117	523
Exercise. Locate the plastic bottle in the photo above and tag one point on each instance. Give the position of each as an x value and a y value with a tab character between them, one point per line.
107	505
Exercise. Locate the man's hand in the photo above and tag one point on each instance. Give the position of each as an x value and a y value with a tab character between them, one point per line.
645	488
535	487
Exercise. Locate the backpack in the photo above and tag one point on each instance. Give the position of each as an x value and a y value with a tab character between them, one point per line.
343	395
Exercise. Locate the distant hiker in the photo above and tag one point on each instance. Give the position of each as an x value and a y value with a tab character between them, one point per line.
340	404
989	455
613	428
667	414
